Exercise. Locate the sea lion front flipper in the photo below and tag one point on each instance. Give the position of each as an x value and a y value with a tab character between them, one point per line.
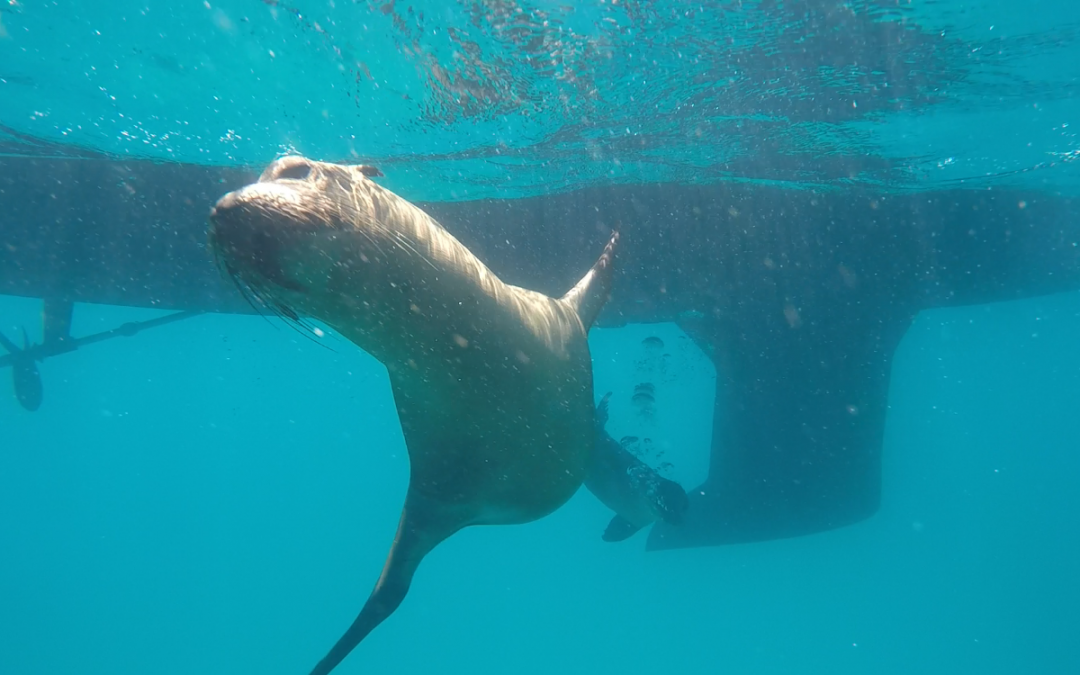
424	524
589	295
620	529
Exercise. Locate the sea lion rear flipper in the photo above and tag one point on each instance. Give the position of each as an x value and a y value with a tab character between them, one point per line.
671	500
424	525
619	529
589	295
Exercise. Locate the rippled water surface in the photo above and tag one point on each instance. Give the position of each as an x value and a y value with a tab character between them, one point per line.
534	96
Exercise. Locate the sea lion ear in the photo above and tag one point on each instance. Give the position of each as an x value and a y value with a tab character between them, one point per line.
369	171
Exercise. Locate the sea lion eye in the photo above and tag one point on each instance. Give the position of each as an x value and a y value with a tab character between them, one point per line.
299	171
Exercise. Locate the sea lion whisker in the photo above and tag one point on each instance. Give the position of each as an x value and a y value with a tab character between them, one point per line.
369	240
361	230
249	294
256	296
290	317
406	245
305	329
374	243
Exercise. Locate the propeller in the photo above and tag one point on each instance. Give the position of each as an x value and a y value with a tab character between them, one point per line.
24	372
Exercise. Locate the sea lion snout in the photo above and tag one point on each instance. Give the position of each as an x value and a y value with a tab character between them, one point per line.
225	215
249	231
273	214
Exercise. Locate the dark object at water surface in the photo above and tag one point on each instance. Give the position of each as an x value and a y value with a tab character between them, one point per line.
798	297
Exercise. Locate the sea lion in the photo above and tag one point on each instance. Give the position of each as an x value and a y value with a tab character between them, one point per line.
635	491
492	383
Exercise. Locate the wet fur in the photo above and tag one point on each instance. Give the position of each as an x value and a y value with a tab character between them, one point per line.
492	383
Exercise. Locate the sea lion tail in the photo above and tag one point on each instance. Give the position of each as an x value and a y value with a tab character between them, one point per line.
589	295
423	526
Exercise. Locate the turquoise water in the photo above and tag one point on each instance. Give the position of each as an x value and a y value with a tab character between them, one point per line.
475	99
216	496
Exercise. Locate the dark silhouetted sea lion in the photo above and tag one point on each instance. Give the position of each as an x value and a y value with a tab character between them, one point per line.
493	383
635	491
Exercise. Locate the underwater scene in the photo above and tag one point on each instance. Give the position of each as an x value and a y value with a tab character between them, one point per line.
507	336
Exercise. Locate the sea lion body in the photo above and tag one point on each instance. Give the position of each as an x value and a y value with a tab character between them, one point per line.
492	383
635	491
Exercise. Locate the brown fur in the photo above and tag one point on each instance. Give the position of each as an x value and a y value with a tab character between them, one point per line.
493	383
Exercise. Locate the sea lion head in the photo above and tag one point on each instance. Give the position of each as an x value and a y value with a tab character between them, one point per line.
283	236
